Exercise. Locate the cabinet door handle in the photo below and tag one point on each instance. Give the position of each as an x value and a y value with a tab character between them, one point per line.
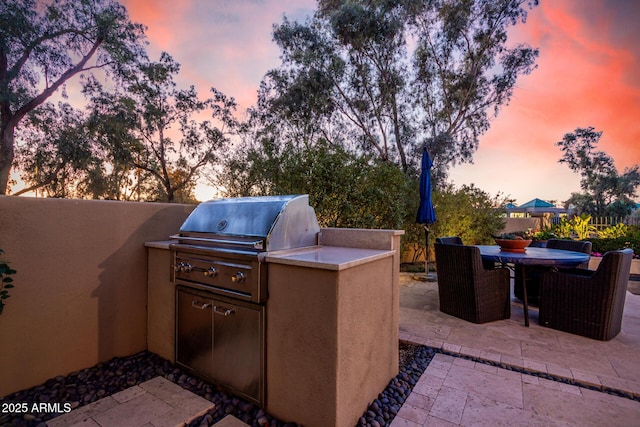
199	304
223	311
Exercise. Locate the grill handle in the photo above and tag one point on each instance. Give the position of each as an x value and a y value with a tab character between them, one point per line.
199	304
223	311
255	244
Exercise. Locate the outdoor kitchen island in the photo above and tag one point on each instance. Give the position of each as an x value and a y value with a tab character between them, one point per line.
332	330
331	324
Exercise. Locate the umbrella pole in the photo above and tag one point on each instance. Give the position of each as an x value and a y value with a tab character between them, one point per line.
426	248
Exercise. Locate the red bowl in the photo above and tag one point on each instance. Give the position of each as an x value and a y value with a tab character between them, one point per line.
512	245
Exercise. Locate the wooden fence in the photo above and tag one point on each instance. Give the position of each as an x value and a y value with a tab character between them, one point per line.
602	222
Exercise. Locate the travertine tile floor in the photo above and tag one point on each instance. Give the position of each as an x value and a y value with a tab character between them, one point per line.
154	403
230	421
459	391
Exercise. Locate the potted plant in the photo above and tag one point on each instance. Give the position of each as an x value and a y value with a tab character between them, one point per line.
539	237
513	242
6	282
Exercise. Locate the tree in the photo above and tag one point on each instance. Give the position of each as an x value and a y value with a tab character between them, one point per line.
137	126
346	189
339	81
56	154
45	44
62	153
465	211
348	71
468	212
463	69
605	191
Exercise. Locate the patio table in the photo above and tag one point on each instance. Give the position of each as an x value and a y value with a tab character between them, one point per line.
532	256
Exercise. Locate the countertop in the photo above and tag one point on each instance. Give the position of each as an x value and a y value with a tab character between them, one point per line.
163	244
322	257
328	257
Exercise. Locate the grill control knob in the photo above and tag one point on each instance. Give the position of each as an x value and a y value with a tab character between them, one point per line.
184	267
211	272
238	277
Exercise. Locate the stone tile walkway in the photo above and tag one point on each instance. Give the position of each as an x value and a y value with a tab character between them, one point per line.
460	391
230	421
154	403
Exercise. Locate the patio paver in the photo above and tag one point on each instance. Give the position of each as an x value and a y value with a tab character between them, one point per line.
465	392
154	403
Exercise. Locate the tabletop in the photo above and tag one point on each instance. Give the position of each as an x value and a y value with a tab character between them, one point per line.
534	256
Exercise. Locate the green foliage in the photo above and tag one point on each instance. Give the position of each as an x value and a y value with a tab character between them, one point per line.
545	233
517	235
468	212
600	246
120	148
613	231
582	226
6	282
605	192
633	231
464	71
345	189
612	238
564	229
56	155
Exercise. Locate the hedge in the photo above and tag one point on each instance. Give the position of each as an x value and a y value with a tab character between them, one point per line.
604	245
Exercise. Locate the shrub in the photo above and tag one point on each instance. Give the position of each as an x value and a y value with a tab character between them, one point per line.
582	226
6	282
467	211
613	231
600	246
564	229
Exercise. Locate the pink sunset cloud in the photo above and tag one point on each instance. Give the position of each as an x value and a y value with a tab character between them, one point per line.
587	75
224	44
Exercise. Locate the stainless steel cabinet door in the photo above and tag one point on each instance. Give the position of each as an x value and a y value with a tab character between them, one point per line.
194	331
222	339
238	347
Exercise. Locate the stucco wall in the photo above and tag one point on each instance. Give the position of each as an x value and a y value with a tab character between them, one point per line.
81	284
521	224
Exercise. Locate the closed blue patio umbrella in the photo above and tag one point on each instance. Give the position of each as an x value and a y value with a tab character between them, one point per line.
426	213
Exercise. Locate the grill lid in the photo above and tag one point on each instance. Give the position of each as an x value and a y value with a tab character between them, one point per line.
277	222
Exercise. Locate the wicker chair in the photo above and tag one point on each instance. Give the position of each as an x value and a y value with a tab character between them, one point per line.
456	240
451	240
466	289
585	302
571	245
534	273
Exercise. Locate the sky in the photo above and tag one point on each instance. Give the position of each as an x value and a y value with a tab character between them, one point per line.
588	75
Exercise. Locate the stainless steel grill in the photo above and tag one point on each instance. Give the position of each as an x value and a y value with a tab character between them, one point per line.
222	289
252	223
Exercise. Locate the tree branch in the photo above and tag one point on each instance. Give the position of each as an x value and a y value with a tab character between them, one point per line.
15	70
46	93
